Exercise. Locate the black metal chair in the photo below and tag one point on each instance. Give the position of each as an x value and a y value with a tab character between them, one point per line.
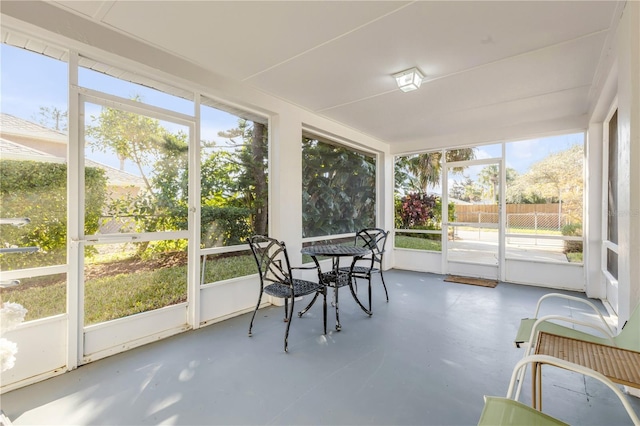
365	267
277	280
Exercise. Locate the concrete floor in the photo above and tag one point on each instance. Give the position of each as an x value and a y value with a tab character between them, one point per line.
425	358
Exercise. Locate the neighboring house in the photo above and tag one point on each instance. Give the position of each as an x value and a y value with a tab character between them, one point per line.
23	140
32	135
14	151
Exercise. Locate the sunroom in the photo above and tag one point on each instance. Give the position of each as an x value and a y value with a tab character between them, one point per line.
143	142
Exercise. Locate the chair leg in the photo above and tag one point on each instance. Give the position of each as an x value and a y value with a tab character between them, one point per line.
254	313
324	309
355	296
523	371
304	311
384	285
286	310
336	304
290	316
370	293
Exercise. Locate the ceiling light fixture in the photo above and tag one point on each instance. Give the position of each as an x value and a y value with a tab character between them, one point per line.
409	80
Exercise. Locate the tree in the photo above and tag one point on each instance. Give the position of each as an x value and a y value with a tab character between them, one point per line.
164	205
426	169
251	182
467	190
234	190
52	117
490	178
339	186
421	171
169	202
162	162
219	171
129	135
556	178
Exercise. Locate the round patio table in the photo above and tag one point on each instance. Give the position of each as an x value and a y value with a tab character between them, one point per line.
336	252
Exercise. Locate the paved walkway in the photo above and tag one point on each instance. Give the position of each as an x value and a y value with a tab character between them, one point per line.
482	247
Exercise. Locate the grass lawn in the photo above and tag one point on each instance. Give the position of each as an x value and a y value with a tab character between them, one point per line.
405	241
127	286
574	257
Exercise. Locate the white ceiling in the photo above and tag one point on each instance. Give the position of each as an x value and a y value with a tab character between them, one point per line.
488	64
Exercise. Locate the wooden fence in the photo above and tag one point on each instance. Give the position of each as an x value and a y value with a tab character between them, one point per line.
537	216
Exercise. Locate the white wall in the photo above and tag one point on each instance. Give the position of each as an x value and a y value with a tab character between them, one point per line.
621	87
594	285
628	45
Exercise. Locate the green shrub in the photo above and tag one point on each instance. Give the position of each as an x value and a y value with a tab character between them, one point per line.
38	191
416	209
225	226
573	230
420	211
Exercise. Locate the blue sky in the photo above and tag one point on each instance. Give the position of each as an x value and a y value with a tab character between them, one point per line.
29	81
520	155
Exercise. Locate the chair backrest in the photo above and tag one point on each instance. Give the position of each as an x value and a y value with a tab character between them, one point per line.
374	239
550	360
272	260
629	336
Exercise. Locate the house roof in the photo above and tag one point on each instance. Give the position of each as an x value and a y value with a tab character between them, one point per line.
24	129
116	177
15	151
11	125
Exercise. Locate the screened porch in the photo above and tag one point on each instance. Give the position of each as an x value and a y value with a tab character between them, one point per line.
142	143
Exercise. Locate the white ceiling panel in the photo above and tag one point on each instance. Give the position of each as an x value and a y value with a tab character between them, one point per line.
410	128
240	39
546	71
439	38
489	64
521	111
88	8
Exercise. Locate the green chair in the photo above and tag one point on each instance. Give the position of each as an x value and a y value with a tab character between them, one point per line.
627	338
546	323
509	411
505	411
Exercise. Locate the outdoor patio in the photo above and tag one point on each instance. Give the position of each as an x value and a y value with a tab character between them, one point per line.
426	357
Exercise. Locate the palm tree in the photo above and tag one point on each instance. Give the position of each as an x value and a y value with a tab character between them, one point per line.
424	170
490	177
